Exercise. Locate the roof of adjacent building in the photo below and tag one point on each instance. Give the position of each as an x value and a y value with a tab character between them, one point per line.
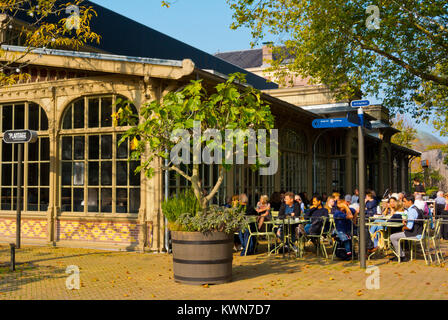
251	58
244	58
126	37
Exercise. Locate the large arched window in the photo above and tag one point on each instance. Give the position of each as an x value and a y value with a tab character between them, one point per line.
36	160
96	175
293	161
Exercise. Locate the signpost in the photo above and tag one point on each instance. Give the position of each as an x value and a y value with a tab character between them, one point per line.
362	191
355	121
19	137
360	103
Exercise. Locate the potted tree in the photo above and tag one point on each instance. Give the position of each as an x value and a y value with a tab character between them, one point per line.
194	122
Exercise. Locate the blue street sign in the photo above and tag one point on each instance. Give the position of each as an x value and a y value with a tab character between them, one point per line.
333	123
360	103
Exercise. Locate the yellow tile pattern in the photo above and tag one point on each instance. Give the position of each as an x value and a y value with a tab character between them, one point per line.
31	229
98	232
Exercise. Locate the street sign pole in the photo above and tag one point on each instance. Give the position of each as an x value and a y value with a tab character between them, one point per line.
362	191
19	194
19	137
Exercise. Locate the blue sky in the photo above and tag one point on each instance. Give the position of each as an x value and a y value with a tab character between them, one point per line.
204	24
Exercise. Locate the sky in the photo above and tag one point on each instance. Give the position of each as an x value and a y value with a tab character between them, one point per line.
204	24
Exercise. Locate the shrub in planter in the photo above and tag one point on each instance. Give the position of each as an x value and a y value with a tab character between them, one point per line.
174	207
213	219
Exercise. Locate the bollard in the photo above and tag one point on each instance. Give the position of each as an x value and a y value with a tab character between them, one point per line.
12	266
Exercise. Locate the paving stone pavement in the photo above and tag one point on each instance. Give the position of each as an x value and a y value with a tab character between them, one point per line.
41	274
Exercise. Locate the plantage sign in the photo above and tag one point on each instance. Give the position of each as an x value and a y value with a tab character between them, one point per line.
20	136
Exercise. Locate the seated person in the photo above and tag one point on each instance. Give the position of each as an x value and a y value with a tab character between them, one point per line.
264	211
413	227
276	201
298	199
390	208
289	208
342	216
244	234
315	215
397	216
371	205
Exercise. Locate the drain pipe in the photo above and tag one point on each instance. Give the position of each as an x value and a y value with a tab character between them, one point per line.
167	244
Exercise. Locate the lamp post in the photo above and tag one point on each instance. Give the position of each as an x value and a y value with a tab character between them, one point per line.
362	191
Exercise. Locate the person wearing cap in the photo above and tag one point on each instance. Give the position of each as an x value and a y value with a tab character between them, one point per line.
348	199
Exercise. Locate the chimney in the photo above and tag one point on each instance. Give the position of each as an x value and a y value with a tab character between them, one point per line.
267	54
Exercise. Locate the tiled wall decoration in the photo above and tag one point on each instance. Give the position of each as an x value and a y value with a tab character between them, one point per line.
31	229
103	232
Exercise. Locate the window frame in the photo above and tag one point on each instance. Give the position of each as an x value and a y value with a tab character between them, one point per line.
42	134
86	132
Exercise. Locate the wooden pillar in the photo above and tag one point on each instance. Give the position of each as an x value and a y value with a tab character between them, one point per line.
404	174
53	205
380	170
348	162
310	168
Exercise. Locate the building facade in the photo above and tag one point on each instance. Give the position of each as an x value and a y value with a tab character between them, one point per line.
80	190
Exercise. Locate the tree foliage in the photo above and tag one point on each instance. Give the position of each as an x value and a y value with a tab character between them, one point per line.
407	135
48	26
405	60
227	106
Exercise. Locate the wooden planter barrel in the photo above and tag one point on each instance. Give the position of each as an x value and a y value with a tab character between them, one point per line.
202	258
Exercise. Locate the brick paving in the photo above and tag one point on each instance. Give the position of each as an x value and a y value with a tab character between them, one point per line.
122	275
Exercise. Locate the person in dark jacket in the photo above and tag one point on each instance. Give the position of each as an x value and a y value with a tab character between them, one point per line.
342	216
244	234
371	205
289	208
276	201
315	215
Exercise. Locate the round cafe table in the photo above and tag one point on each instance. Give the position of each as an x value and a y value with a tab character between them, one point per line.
288	228
388	225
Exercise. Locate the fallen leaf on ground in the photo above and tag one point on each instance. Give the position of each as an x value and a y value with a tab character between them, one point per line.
205	286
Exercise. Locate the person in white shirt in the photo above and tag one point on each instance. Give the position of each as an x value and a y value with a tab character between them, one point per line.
419	203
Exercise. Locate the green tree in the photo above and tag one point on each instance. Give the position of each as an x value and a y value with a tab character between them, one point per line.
227	106
50	24
407	134
404	60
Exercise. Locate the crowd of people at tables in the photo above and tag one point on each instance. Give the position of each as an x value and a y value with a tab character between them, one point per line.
409	209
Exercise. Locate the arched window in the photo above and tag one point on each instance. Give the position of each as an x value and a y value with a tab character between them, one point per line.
96	175
36	159
294	161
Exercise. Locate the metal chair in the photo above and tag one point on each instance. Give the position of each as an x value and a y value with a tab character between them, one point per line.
320	245
414	241
435	239
256	233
